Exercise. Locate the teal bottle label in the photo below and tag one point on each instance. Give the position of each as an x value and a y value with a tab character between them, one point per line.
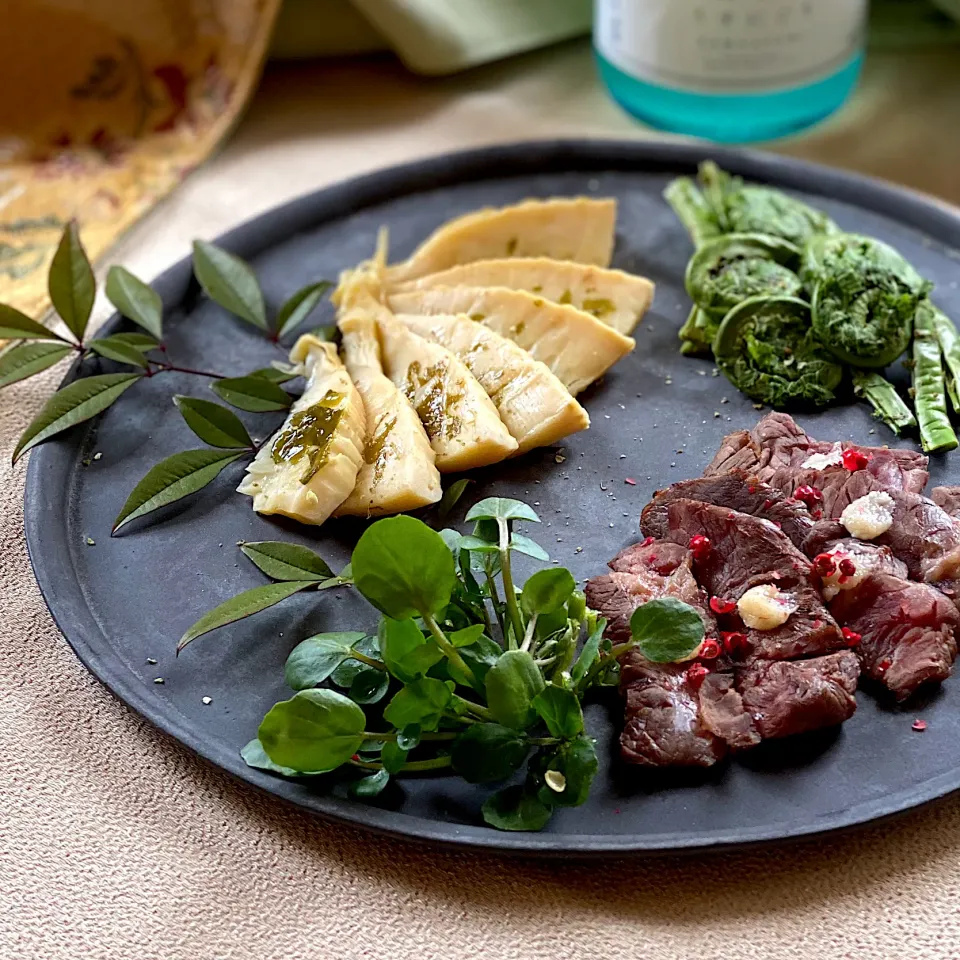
729	46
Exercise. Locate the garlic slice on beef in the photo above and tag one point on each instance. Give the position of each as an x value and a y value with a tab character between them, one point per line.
820	461
765	607
869	516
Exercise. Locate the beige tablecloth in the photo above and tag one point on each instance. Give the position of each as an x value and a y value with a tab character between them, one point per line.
117	843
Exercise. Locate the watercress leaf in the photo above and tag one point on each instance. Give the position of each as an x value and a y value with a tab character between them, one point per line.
343	579
488	751
142	341
229	281
528	547
213	423
550	623
287	561
72	404
370	786
409	736
393	757
516	808
369	685
577	606
477	545
243	605
547	590
173	479
70	282
452	539
421	702
299	306
314	659
560	711
404	568
316	730
450	497
466	636
589	653
25	359
15	325
119	350
344	675
576	762
370	749
407	653
501	508
480	657
253	394
274	374
666	630
136	300
511	684
255	756
488	530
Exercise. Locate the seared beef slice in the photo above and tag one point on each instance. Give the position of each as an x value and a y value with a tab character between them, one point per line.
746	552
907	631
737	491
664	725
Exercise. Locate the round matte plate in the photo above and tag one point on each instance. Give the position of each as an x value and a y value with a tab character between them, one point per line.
657	417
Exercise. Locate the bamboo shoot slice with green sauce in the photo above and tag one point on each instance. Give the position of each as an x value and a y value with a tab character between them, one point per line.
398	471
461	421
533	404
577	228
310	465
616	298
577	347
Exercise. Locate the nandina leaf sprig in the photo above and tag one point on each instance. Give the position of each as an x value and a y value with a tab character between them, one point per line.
227	280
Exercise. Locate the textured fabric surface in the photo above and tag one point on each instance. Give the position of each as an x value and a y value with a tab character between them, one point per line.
118	844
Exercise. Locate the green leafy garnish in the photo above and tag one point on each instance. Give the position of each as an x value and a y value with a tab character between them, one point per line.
666	630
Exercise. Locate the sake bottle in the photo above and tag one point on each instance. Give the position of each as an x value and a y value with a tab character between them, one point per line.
730	70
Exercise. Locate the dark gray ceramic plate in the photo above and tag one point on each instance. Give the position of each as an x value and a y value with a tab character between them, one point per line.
655	419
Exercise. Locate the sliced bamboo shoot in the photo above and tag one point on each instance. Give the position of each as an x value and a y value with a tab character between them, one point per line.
617	298
577	347
531	401
310	465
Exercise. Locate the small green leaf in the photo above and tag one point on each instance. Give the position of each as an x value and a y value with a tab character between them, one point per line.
409	737
466	636
666	630
516	808
511	684
589	653
421	702
450	497
300	306
243	605
72	404
314	659
480	657
286	561
23	360
255	756
70	283
344	675
135	300
370	786
477	544
488	751
254	394
407	653
404	568
213	423
393	757
577	606
229	281
501	508
369	684
317	730
173	479
576	760
547	590
142	341
452	539
15	325
560	711
528	547
120	351
274	374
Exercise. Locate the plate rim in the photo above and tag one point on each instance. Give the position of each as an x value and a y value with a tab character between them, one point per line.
64	597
